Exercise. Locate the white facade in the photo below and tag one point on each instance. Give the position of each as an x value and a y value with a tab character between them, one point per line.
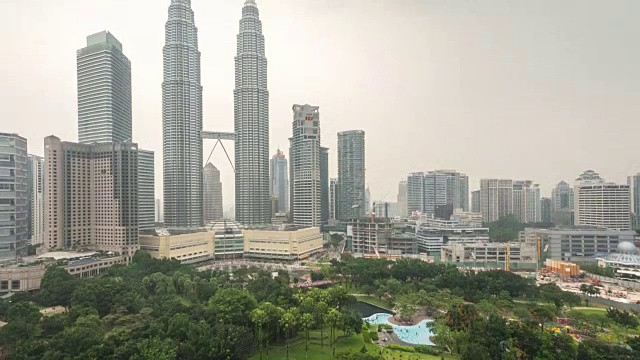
432	234
36	164
104	91
602	204
526	201
306	195
496	199
182	119
91	196
402	199
251	118
14	197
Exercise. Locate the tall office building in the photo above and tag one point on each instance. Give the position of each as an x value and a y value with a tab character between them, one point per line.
251	114
306	196
351	174
599	203
545	209
402	199
367	201
634	200
104	90
212	194
324	185
146	190
562	204
496	199
415	192
14	197
159	211
333	198
280	180
36	200
182	119
91	196
475	202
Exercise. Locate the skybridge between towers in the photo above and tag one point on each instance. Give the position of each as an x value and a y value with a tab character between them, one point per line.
218	137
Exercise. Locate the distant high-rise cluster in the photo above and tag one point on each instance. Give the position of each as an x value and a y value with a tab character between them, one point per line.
427	191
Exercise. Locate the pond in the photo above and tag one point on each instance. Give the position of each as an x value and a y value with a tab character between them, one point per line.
366	309
418	334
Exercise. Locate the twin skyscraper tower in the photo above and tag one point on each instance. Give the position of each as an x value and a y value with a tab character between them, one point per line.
182	120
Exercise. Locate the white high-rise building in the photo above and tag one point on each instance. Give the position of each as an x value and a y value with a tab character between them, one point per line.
306	195
402	199
91	196
104	91
212	197
251	114
280	180
182	119
526	201
36	197
496	199
159	210
415	192
146	190
14	197
599	203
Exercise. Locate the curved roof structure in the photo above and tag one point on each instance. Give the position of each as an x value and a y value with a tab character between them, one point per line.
626	254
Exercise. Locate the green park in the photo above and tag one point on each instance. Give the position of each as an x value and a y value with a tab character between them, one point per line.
162	309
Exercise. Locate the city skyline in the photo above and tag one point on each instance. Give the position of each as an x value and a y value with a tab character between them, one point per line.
143	46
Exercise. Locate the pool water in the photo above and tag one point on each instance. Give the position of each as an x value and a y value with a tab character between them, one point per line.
416	334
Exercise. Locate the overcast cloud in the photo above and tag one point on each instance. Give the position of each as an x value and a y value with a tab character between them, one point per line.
523	89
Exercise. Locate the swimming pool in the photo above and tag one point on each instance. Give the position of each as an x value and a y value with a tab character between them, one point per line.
418	334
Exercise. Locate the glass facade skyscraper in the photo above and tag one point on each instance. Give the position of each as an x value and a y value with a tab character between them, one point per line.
104	90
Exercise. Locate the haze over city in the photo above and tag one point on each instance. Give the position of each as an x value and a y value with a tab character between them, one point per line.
518	89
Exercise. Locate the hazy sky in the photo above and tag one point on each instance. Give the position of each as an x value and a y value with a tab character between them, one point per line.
523	89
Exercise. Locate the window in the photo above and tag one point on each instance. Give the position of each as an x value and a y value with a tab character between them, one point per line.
15	284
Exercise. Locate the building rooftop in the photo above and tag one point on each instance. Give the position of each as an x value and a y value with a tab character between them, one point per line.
66	255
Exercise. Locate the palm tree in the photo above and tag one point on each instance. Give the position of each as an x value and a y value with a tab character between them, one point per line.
320	312
259	318
288	322
306	323
332	318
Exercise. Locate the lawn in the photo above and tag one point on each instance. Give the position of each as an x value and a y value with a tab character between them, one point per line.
352	343
594	311
296	348
374	301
